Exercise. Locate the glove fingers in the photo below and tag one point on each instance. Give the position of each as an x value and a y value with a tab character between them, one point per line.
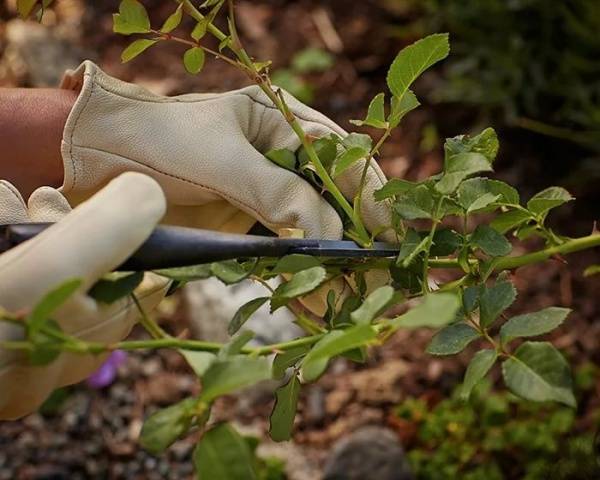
275	134
93	239
12	206
47	204
277	197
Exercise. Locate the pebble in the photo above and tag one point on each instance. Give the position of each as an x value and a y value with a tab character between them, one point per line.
369	453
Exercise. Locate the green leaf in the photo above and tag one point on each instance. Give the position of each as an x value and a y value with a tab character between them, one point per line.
301	283
115	286
538	372
480	365
548	199
187	274
49	303
375	114
132	18
414	60
494	300
312	60
533	324
283	157
332	344
342	317
445	242
486	143
400	106
326	151
395	186
200	30
591	270
260	66
360	140
173	21
376	303
412	245
135	48
415	204
202	26
452	339
470	298
459	167
235	345
526	231
223	454
287	359
244	313
509	220
230	271
295	263
347	159
226	375
490	241
284	410
193	60
475	194
436	310
508	195
198	361
164	427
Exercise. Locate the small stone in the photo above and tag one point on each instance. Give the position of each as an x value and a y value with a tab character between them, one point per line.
369	453
315	405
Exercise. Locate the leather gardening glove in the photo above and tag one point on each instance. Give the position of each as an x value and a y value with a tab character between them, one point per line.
207	153
86	243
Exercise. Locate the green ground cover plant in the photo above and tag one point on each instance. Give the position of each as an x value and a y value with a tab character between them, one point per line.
497	435
469	309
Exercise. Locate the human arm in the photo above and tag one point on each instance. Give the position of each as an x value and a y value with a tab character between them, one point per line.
31	128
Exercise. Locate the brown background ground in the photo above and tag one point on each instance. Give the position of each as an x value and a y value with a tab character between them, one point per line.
93	434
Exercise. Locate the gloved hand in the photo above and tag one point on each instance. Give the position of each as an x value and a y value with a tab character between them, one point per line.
86	243
206	151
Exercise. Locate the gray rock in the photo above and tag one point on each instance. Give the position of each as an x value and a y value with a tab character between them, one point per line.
369	453
41	54
212	304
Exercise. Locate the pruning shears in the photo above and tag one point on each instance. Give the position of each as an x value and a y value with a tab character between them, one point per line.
170	247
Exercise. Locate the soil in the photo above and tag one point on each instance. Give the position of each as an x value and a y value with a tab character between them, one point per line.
92	434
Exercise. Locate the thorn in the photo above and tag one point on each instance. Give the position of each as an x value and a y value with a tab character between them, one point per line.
185	333
559	258
595	228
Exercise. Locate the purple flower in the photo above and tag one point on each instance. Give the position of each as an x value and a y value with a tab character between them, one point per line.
107	372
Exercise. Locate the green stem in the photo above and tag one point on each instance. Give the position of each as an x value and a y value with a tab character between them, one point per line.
95	348
150	325
569	246
429	243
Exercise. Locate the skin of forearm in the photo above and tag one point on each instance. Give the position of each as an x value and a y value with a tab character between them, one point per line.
31	128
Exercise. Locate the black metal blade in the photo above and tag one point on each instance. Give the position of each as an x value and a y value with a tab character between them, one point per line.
169	247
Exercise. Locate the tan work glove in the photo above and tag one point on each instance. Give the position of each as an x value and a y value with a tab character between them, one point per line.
206	151
86	243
